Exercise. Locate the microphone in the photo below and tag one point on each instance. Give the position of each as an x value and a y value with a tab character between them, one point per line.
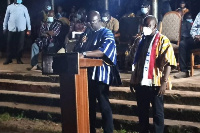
87	31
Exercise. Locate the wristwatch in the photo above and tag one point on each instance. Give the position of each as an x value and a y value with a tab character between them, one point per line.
84	54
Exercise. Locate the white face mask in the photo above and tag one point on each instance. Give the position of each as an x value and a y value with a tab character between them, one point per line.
144	10
105	19
147	31
50	19
48	8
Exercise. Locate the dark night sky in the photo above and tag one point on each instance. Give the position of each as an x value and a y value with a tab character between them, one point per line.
34	6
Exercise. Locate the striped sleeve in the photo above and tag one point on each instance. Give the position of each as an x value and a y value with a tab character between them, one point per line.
57	28
42	28
169	56
109	47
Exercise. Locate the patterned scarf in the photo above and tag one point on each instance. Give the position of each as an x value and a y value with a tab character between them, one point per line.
145	57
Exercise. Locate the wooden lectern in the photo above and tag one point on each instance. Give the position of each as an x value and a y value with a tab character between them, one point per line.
74	90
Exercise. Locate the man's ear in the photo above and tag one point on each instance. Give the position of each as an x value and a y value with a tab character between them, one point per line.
155	27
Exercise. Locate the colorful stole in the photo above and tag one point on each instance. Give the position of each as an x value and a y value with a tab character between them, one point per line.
153	56
150	61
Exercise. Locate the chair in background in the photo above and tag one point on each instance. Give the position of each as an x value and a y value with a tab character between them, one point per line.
194	52
171	27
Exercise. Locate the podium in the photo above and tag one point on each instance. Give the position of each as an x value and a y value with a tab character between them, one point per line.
74	89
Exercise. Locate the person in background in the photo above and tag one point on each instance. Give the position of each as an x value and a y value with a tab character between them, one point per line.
183	8
43	14
190	40
151	69
60	13
81	22
110	22
16	20
72	14
47	41
145	10
163	8
99	44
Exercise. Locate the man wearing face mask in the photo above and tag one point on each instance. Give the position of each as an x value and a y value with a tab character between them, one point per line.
151	69
145	10
189	41
46	42
110	22
16	20
47	8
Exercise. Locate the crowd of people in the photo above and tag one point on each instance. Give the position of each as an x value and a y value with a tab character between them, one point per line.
151	62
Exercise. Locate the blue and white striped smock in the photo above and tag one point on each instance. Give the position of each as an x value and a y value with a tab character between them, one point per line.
103	40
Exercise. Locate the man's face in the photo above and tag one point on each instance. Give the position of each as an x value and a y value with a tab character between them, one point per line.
59	9
18	1
50	14
145	9
94	22
106	17
149	26
182	5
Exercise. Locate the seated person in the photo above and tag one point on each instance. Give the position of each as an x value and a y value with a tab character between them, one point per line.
60	13
110	22
47	41
145	10
183	8
189	40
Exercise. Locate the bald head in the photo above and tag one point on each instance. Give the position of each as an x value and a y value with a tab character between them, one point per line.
150	22
94	15
150	19
94	19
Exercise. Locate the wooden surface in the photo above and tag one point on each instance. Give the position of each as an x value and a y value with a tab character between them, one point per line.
82	104
68	103
74	98
86	62
192	64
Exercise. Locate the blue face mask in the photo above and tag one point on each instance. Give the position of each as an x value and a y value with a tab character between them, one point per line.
144	10
50	19
19	1
48	8
189	20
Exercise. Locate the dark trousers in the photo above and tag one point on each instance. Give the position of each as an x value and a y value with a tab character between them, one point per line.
100	91
186	45
146	95
15	44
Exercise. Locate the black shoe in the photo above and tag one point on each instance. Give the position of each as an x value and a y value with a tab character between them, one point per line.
182	75
35	68
19	61
7	62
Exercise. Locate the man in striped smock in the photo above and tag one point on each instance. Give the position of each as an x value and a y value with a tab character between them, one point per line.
99	44
151	69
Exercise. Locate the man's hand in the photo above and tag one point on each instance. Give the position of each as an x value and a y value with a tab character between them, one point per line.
4	32
197	38
84	39
51	33
28	33
162	88
81	55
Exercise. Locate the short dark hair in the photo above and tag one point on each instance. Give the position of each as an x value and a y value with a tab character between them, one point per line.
106	12
145	4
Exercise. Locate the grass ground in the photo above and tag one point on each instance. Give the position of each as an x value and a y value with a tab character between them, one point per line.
19	124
